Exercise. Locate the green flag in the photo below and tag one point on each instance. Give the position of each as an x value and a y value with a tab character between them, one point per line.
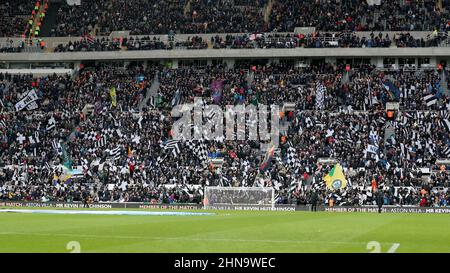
67	160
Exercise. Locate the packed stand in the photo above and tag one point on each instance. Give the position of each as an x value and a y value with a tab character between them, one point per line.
121	154
131	43
15	14
142	17
252	41
79	20
85	44
416	15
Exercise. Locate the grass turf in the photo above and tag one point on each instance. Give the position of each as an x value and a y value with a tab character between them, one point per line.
227	231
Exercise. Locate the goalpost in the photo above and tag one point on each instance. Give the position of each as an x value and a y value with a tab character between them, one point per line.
222	197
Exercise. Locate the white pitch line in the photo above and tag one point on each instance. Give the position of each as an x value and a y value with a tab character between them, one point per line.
184	238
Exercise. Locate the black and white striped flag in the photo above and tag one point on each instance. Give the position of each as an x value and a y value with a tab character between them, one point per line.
160	159
430	99
51	124
446	152
446	124
317	185
114	154
444	114
151	102
56	144
173	146
293	185
34	139
101	142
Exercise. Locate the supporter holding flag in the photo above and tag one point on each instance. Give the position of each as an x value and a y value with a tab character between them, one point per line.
113	95
267	159
335	179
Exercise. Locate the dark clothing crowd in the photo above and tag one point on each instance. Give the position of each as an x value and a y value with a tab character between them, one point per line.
104	133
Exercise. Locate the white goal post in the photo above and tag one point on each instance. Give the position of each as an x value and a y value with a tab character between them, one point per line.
222	197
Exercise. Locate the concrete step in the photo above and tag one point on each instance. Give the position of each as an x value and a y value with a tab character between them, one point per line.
151	92
250	78
444	84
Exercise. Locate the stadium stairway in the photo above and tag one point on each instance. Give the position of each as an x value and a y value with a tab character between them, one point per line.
444	84
250	78
50	19
389	131
151	92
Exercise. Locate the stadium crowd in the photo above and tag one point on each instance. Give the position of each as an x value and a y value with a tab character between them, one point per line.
132	43
142	17
266	40
415	15
158	17
226	16
119	148
14	17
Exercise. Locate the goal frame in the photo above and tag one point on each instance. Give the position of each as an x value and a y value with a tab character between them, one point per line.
207	189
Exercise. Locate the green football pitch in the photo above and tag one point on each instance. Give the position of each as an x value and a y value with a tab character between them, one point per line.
226	231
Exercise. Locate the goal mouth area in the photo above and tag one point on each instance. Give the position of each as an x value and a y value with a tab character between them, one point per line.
246	197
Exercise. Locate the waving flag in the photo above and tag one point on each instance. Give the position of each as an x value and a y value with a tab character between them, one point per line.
292	158
199	149
335	179
267	159
430	99
51	124
67	160
216	87
89	39
320	91
173	146
392	90
112	93
114	154
176	98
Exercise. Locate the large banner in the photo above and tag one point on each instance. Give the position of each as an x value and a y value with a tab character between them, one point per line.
28	101
252	207
388	209
78	205
185	206
278	207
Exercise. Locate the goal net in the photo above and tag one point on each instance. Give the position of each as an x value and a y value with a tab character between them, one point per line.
228	197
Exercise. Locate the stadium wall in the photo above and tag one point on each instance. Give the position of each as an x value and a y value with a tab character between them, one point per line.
55	41
278	207
226	54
